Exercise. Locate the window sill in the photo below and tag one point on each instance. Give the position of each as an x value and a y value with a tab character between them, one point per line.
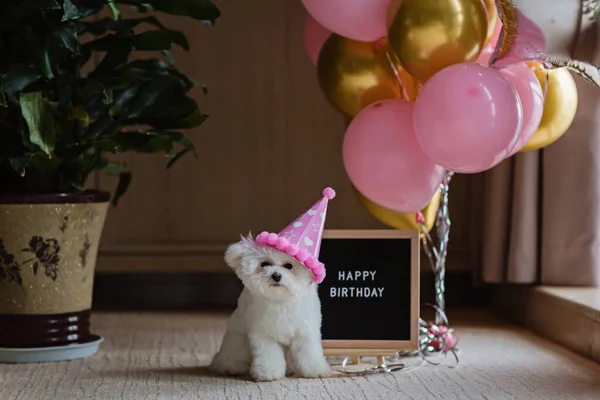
569	316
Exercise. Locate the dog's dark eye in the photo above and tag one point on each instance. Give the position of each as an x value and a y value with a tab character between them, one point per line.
288	266
265	264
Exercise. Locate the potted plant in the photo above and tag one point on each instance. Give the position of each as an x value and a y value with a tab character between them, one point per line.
58	124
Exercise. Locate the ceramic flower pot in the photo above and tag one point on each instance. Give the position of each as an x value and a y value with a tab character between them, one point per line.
48	249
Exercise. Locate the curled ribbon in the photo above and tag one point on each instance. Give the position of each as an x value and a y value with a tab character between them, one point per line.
589	72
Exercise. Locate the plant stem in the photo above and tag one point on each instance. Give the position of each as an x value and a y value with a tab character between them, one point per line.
115	10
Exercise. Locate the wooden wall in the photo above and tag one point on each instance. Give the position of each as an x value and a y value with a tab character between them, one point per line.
271	145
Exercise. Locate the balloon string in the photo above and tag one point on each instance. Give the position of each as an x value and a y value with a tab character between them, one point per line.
442	223
397	74
377	369
443	232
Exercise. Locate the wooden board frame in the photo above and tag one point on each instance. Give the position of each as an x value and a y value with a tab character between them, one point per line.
382	347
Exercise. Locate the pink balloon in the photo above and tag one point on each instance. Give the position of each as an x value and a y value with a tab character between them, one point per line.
315	36
384	161
362	20
529	44
532	100
486	53
467	117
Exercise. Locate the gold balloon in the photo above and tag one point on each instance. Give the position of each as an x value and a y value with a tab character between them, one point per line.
404	221
429	35
492	19
392	10
353	74
560	106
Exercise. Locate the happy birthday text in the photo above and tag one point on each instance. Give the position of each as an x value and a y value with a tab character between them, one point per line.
353	291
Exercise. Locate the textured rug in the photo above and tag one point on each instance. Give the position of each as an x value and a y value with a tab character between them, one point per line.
163	356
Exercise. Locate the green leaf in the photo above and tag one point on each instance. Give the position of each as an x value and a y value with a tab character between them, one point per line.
202	10
45	64
18	77
139	7
143	143
148	141
156	66
101	26
169	56
154	40
177	157
3	102
126	102
117	56
41	56
102	126
160	40
68	37
76	169
39	116
107	144
93	88
191	121
159	97
119	170
152	64
176	106
19	164
44	4
70	11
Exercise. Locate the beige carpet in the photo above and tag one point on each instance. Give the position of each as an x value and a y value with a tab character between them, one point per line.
160	356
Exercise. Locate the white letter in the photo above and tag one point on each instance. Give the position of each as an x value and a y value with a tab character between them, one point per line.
356	275
351	289
380	291
332	292
365	275
341	276
373	274
344	292
359	292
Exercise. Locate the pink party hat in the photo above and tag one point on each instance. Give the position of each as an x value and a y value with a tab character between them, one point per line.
301	239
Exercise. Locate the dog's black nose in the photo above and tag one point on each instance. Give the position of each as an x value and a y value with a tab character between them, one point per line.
276	276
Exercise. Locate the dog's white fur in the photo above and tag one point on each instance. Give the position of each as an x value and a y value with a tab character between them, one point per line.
276	328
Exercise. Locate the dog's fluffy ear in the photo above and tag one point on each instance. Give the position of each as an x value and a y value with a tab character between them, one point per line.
237	251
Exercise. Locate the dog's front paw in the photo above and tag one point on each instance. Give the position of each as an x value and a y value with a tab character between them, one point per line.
315	370
261	373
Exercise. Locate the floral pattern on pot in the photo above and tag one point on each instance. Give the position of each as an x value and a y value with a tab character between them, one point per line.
9	268
45	254
83	253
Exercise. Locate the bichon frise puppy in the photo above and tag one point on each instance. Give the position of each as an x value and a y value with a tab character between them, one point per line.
276	327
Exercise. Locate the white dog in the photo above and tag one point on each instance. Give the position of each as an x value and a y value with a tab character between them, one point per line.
276	328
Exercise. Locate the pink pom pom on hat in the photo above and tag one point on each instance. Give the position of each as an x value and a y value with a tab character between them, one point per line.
301	239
